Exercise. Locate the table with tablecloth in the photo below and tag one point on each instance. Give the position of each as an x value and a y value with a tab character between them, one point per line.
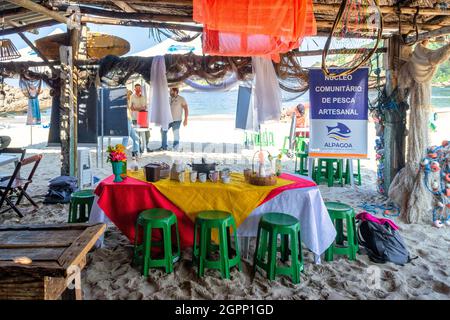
122	202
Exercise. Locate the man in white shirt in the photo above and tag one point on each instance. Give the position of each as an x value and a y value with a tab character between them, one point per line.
177	106
138	102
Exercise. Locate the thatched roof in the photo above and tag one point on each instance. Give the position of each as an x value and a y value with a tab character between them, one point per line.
432	14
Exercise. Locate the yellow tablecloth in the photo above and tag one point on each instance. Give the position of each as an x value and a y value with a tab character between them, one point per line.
238	197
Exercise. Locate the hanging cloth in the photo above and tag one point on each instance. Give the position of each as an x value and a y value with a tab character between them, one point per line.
31	89
267	95
254	27
290	19
160	113
220	43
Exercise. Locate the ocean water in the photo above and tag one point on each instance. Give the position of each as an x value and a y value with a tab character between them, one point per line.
204	103
213	103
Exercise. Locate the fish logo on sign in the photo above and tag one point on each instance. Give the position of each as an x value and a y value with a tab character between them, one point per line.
339	133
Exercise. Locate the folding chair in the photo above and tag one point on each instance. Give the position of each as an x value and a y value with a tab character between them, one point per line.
13	151
18	186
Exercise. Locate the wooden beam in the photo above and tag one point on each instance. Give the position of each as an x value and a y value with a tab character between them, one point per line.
30	5
429	35
36	25
123	5
333	51
321	8
14	11
31	44
13	64
185	3
143	24
86	10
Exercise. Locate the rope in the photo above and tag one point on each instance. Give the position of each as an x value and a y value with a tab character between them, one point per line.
388	211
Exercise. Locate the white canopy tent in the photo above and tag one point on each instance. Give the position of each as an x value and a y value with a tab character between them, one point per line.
170	46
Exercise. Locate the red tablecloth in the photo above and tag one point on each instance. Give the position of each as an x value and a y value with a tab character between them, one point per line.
122	202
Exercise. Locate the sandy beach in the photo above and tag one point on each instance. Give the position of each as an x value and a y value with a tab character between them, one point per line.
109	274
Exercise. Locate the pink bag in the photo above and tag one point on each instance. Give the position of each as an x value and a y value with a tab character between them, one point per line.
365	216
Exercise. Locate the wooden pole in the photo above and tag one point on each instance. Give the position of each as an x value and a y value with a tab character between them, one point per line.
66	80
395	120
75	36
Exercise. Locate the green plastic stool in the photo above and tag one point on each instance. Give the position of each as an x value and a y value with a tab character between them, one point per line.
203	248
270	226
156	219
331	173
356	175
340	212
80	206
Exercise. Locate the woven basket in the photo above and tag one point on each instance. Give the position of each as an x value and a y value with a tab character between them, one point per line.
262	181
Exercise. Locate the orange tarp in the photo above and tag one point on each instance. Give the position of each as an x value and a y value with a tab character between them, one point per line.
254	27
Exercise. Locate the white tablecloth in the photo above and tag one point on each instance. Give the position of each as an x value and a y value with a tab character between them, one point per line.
306	204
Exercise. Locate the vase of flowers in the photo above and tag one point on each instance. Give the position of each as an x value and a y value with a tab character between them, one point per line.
118	159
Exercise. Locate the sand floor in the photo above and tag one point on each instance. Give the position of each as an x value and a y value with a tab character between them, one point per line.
109	274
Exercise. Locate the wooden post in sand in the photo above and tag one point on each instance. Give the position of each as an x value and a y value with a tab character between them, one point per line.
69	101
395	120
65	108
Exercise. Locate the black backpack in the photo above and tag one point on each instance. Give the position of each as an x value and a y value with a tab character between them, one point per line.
382	243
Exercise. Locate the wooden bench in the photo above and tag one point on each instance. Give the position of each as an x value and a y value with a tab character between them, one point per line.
58	254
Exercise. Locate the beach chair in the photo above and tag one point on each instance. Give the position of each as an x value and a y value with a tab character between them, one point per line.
18	151
17	186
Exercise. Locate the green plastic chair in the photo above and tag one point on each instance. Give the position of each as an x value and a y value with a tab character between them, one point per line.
330	169
301	155
340	212
205	222
80	206
270	226
356	175
156	219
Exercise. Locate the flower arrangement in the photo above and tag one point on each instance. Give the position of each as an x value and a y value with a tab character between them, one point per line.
116	153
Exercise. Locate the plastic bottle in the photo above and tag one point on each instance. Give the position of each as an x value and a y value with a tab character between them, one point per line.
134	165
278	167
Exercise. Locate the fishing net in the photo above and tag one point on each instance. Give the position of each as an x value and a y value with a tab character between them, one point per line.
292	77
159	34
23	69
206	71
407	189
116	71
356	33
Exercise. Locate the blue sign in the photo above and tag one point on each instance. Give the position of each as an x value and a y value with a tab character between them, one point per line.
339	113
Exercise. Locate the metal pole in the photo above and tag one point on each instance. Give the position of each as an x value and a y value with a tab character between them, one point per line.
102	119
352	178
